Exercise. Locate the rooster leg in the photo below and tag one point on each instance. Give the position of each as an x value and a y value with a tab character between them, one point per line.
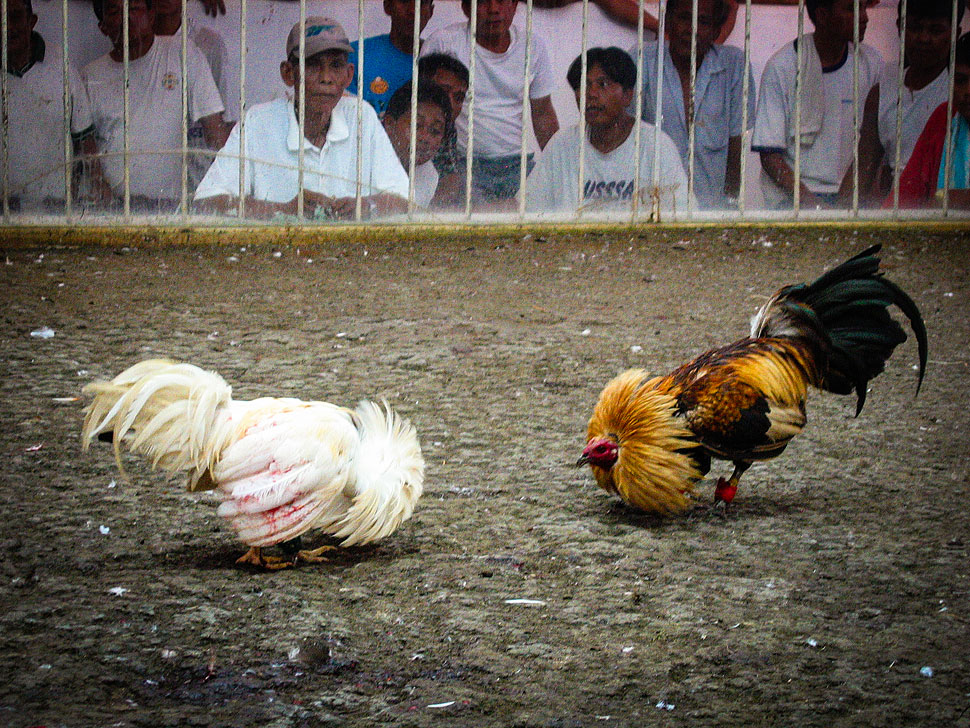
255	557
313	556
720	506
724	490
739	467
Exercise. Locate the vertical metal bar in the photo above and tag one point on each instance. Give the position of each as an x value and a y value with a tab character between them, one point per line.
526	84
855	108
689	111
184	196
583	75
637	126
948	139
745	94
301	106
243	20
68	116
470	102
126	109
4	35
358	197
413	143
799	53
900	81
659	114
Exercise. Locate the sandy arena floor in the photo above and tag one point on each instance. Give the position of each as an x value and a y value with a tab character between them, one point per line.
836	592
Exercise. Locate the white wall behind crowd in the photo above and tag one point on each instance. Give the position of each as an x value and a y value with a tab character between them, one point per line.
270	20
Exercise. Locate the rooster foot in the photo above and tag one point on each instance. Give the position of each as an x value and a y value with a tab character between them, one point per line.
708	511
313	556
255	557
723	495
717	509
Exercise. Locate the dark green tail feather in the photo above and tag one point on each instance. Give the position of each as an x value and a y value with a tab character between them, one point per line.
844	315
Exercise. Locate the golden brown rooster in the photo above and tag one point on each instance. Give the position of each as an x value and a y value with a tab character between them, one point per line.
650	439
280	466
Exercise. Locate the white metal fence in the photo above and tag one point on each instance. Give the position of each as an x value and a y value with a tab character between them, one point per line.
74	206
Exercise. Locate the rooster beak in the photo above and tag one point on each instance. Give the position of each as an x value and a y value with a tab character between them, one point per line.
583	460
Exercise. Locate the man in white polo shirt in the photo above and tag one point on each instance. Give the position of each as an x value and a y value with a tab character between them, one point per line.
272	132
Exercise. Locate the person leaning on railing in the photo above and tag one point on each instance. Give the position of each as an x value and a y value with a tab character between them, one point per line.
926	83
923	181
35	138
272	177
156	115
827	109
609	148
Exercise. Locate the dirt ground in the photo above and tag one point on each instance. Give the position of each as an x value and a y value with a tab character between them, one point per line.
835	593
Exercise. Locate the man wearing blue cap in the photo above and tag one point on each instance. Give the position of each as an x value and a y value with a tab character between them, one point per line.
272	153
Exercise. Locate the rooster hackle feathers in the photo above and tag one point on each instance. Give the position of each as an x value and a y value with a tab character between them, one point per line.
650	440
281	466
651	473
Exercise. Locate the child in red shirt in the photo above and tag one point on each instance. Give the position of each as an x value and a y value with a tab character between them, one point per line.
922	181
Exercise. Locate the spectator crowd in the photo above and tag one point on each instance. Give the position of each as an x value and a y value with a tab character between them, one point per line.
316	152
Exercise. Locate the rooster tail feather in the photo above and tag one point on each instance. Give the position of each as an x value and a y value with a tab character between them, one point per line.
388	477
844	320
162	409
912	312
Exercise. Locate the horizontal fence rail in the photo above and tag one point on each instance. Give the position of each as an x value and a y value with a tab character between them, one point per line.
69	182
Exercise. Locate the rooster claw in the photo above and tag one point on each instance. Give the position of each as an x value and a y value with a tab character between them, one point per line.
709	511
255	557
313	556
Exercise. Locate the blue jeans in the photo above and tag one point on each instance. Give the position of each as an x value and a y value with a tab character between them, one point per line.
495	178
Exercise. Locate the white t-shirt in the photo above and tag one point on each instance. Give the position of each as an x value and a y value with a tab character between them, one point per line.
917	108
155	122
608	184
213	47
425	183
35	127
499	80
825	161
272	146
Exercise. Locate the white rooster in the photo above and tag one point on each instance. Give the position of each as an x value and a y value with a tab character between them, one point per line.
281	466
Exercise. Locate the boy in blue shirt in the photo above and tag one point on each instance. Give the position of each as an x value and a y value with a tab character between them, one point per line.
388	58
